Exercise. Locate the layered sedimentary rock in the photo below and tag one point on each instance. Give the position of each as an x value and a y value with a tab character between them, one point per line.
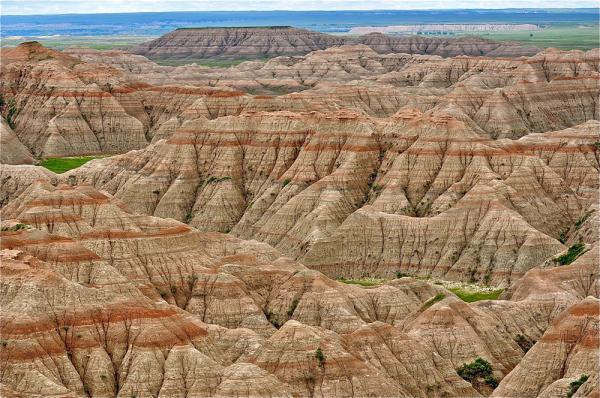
568	350
118	279
257	42
235	42
86	102
14	179
110	305
60	106
13	151
503	97
133	304
351	196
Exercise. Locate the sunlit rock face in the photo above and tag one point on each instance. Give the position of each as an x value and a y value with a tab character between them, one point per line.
288	228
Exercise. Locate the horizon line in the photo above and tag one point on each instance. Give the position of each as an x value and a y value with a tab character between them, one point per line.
307	10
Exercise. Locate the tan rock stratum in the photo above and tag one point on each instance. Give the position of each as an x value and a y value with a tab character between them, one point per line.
297	227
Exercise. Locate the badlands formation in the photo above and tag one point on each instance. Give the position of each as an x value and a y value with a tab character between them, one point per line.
207	254
270	41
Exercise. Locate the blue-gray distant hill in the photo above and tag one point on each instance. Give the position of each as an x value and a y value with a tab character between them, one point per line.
159	23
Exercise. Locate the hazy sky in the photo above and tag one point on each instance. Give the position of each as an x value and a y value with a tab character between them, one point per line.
97	6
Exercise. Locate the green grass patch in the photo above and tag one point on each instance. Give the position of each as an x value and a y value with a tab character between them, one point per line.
367	282
563	36
61	165
571	255
470	296
437	298
105	42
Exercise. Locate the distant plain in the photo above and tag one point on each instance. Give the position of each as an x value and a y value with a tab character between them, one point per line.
560	28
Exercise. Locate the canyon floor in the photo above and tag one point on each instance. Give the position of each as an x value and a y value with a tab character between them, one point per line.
374	218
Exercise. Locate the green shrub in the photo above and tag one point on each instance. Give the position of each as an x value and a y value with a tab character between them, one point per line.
478	369
574	386
571	255
491	381
401	274
320	357
285	182
377	188
16	227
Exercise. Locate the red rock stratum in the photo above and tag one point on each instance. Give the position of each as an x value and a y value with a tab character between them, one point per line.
306	226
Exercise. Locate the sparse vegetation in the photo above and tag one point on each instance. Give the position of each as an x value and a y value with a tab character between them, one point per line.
377	187
217	179
478	369
61	165
320	357
583	219
524	342
563	36
574	386
562	237
290	311
285	182
571	255
437	298
401	274
470	296
366	282
16	227
12	113
273	320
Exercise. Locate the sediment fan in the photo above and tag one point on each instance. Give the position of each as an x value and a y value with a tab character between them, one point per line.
323	224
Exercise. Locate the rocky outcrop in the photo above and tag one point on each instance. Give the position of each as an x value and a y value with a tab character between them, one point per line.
85	102
325	189
116	317
567	351
14	179
258	42
134	304
250	42
203	261
60	106
13	151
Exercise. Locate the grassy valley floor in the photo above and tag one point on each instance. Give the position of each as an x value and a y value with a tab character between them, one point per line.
62	165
